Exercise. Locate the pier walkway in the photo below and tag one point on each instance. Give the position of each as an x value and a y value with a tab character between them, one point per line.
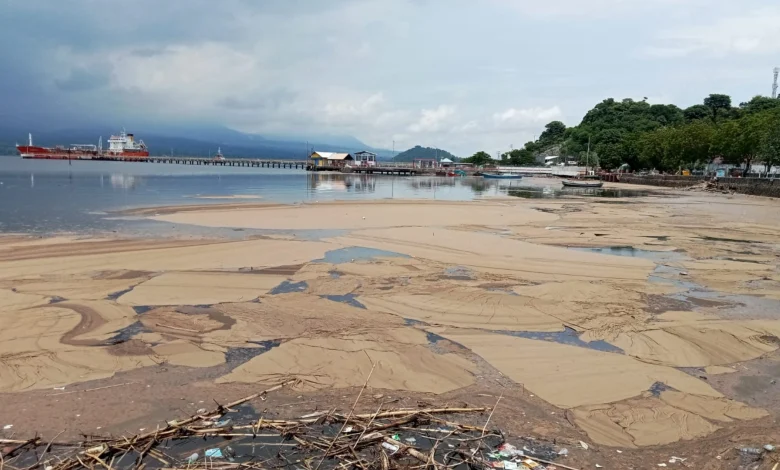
248	162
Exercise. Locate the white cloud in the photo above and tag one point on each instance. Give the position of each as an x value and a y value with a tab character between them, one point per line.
348	110
514	118
755	32
432	120
380	70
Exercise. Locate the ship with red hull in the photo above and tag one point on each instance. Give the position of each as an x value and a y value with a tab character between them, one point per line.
120	147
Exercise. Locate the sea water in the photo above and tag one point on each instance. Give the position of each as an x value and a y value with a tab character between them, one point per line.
43	196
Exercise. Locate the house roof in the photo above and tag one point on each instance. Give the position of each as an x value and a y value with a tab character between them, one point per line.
446	160
547	159
330	155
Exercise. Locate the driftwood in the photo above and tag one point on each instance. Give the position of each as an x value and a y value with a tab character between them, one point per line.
322	440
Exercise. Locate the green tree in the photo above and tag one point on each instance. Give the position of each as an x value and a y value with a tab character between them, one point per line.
657	149
696	112
694	143
518	157
759	104
480	159
553	133
718	104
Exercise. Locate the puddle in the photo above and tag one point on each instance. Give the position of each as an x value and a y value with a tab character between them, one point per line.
127	333
288	287
318	234
728	240
237	356
348	299
739	260
660	238
568	336
356	253
739	305
141	309
458	273
413	322
118	294
547	192
631	252
335	274
501	291
659	387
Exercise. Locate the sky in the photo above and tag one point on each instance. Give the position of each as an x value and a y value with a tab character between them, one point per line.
456	74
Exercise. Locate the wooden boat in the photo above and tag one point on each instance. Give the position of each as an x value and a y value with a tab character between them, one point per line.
502	176
582	184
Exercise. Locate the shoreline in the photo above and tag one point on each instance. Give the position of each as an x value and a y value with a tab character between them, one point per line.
465	298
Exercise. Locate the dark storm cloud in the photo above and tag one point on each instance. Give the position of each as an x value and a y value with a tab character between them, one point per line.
82	79
270	101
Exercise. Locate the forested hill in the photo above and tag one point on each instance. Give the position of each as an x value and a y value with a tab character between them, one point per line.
423	152
664	137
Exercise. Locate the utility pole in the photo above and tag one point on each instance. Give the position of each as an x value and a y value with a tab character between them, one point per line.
774	84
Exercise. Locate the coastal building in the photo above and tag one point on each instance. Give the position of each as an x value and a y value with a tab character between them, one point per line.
446	162
365	158
330	159
425	163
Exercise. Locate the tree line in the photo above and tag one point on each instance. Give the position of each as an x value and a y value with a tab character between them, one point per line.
663	137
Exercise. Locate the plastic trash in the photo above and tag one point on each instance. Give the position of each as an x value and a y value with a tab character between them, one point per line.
224	422
396	437
97	450
769	448
390	447
214	453
410	440
563	452
674	459
193	458
584	445
201	411
8	426
348	429
509	465
530	463
751	450
662	465
508	450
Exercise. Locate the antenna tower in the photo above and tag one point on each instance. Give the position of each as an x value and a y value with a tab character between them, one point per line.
774	84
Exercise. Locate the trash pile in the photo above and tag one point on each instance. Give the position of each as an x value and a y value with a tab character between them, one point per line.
324	440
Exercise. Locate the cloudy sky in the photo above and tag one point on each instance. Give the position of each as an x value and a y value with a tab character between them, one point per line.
464	75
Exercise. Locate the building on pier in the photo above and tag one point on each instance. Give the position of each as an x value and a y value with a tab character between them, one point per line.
365	158
330	159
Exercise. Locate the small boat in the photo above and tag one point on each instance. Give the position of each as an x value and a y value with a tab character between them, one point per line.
582	184
502	176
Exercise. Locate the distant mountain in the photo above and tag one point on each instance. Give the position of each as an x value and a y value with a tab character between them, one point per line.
194	140
419	152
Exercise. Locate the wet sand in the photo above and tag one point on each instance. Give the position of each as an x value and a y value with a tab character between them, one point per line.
643	322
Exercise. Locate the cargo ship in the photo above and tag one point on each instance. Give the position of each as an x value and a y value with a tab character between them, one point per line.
120	147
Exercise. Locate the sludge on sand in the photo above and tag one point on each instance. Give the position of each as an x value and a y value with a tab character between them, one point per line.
610	397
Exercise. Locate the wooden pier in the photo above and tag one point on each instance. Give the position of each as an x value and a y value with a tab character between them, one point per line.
247	162
401	170
385	168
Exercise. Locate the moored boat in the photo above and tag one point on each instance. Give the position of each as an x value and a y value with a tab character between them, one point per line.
582	184
120	147
502	176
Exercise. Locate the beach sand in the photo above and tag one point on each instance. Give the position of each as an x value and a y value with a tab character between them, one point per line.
441	298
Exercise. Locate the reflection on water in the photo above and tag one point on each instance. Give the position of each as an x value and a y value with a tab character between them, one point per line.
50	195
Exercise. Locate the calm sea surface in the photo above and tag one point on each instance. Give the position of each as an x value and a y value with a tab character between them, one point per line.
45	196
